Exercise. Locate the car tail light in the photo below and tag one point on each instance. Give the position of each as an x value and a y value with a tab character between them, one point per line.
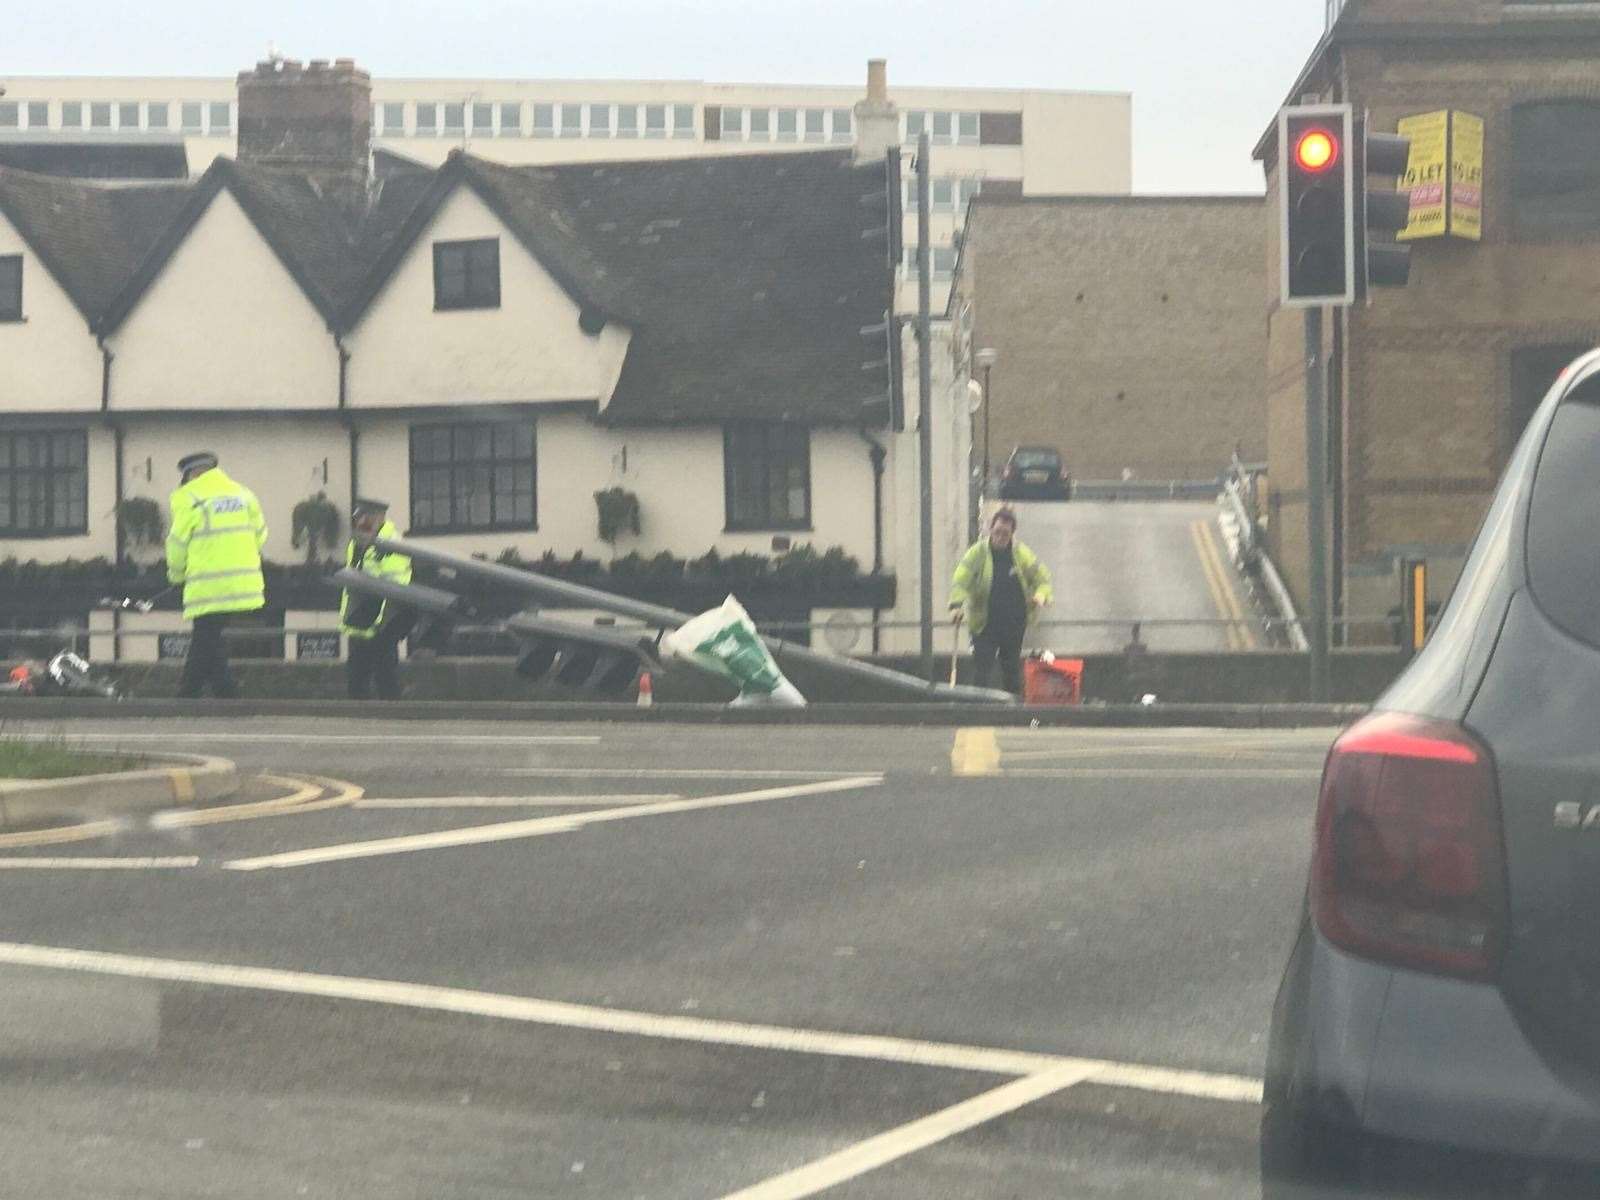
1409	867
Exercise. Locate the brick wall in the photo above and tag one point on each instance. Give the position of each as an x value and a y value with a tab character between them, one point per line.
1130	330
1426	400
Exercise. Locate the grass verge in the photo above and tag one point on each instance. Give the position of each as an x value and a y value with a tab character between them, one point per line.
33	758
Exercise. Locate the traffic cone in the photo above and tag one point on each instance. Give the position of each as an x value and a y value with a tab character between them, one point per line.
647	694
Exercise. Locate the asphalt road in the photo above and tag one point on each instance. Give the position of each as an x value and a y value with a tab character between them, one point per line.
1119	561
661	962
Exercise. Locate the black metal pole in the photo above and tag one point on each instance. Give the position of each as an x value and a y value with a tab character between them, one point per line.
1316	507
925	400
986	467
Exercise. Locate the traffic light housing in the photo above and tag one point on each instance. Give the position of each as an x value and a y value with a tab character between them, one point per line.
586	658
1315	205
1381	261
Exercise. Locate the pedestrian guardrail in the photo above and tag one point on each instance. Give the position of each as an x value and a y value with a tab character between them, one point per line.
1145	489
840	633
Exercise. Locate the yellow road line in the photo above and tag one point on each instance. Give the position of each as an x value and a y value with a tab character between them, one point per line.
55	837
1247	635
1247	632
975	752
182	786
1213	584
300	801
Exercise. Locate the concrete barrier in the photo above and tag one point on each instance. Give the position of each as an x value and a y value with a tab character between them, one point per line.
1220	716
182	779
1263	677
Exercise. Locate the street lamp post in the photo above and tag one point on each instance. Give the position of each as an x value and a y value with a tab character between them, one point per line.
986	358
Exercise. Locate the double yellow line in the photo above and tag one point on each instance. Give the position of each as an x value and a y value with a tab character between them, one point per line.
308	793
1240	635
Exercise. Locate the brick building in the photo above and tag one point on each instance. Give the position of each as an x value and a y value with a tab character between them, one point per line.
1128	328
1431	385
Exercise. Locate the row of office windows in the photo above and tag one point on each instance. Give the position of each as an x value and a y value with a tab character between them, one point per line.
943	128
146	116
466	477
513	118
945	195
747	124
942	260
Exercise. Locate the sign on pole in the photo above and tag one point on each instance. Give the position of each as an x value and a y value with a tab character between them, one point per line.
1426	174
1444	175
1466	176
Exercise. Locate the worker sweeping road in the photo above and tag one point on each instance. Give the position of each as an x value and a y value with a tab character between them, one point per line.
999	584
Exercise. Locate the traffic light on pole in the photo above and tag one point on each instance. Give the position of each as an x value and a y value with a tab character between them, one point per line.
1314	206
1381	263
586	658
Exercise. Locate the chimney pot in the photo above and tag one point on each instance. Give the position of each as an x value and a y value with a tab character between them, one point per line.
878	80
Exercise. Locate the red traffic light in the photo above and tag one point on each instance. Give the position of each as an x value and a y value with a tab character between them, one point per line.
1317	150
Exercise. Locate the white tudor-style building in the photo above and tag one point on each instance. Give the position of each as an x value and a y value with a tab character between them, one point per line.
484	346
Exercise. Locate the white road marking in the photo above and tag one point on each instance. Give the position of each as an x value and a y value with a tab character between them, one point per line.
675	773
97	864
574	801
538	826
387	734
1162	772
907	1139
1224	753
703	1030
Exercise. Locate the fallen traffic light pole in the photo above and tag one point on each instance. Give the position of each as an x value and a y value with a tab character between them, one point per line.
595	657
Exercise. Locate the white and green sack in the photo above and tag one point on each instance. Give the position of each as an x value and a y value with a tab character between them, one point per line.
724	641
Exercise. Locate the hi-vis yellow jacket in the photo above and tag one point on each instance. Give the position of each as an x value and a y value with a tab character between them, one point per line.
362	616
214	546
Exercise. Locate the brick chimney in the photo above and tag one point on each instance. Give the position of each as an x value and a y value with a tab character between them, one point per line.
314	120
877	118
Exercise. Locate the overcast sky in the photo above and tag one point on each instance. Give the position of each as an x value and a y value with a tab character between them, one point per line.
1206	75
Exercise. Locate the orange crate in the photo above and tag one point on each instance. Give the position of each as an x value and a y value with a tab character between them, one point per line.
1057	682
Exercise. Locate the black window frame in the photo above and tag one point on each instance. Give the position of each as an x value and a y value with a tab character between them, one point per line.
12	478
11	312
443	251
771	433
465	436
1555	189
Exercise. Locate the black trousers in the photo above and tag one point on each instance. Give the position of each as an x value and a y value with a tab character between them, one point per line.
206	664
1002	647
373	661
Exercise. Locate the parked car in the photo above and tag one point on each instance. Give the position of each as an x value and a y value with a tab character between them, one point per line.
1435	1033
1035	473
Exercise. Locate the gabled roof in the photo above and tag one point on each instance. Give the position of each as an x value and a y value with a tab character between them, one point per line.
91	238
745	280
310	234
525	202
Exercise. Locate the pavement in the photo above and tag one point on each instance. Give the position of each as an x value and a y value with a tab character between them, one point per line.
429	959
1117	561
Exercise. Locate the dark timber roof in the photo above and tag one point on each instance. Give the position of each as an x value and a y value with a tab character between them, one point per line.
745	280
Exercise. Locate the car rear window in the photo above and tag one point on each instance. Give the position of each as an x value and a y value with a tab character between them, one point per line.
1564	517
1036	458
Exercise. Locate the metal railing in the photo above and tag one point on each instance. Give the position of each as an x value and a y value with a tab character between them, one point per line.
839	634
